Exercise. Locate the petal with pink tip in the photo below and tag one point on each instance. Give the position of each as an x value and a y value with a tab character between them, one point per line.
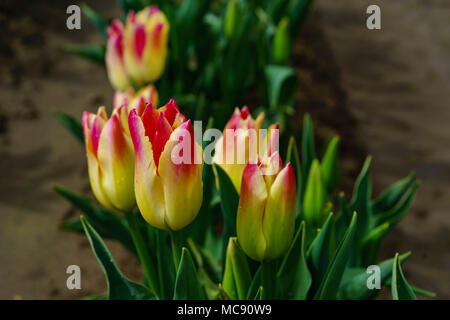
147	184
279	217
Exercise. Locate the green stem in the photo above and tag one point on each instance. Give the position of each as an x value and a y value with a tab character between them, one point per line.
142	251
177	243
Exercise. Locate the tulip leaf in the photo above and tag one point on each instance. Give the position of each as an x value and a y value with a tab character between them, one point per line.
94	53
400	288
204	260
298	11
255	284
106	223
164	261
260	294
294	278
293	157
361	200
229	201
315	197
97	20
354	283
330	283
70	123
187	283
370	244
237	277
281	82
119	287
330	165
387	200
308	149
319	257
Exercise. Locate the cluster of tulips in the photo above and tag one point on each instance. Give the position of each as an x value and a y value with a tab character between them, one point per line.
243	225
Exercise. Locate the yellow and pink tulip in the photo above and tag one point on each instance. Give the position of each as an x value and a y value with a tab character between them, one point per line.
169	194
114	57
147	94
266	213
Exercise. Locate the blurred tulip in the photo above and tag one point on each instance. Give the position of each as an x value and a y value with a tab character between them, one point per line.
243	141
314	203
266	213
169	193
148	94
145	45
232	19
114	57
110	158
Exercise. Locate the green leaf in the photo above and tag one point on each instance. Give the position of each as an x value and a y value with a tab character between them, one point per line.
236	277
106	223
361	200
371	244
294	278
281	82
187	283
387	200
260	294
229	201
70	123
292	156
94	53
400	288
97	20
320	251
330	165
255	284
119	287
127	5
354	282
330	284
298	11
308	149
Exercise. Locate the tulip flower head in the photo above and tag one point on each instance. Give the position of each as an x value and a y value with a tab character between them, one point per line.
110	158
244	141
145	44
114	57
266	213
147	94
169	192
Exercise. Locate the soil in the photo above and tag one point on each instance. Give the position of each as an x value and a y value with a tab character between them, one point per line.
385	92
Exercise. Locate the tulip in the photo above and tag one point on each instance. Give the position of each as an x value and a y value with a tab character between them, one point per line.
145	47
148	94
243	142
282	42
114	57
110	158
169	193
266	213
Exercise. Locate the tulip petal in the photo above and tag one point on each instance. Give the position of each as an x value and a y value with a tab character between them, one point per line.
147	184
116	160
182	182
279	216
249	222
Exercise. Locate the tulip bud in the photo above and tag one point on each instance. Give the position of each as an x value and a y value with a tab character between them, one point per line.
330	165
114	58
110	158
168	166
232	19
243	141
282	42
266	213
315	197
145	50
148	94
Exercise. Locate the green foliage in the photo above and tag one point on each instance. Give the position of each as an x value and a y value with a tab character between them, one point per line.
70	123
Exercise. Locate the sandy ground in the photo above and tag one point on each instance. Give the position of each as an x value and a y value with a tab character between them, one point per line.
383	91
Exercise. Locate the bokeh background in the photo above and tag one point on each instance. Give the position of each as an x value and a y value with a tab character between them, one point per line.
385	92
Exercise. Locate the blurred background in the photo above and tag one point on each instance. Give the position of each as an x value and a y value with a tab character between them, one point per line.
385	92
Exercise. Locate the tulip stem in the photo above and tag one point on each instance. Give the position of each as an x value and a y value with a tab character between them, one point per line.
142	251
268	271
175	236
